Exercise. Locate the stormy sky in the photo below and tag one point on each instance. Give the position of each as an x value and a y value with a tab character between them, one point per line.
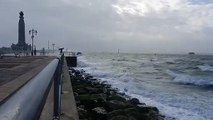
139	26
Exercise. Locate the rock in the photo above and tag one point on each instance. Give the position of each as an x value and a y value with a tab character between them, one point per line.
81	91
104	83
122	94
94	90
134	101
71	70
77	72
82	71
76	78
92	96
129	113
147	109
99	86
115	105
107	86
82	113
101	102
98	101
77	100
91	100
133	113
99	113
100	110
87	77
105	90
154	116
161	117
116	97
87	101
119	117
116	113
109	92
75	94
86	83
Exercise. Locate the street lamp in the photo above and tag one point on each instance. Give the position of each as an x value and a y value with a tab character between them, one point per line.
32	32
53	47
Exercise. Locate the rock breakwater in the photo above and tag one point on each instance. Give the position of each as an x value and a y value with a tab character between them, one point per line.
97	100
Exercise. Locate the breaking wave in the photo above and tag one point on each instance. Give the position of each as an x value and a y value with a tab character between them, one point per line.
146	79
188	79
206	68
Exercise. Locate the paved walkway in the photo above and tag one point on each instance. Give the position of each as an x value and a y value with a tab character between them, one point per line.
15	72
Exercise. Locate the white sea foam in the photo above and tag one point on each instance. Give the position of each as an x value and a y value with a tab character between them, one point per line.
178	108
170	112
206	68
99	74
188	79
82	64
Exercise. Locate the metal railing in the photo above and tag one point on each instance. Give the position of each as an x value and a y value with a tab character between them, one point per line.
58	89
28	102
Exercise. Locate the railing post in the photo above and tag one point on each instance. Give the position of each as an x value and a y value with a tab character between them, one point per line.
62	63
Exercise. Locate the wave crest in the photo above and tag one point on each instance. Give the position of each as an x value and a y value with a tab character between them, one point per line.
206	68
188	79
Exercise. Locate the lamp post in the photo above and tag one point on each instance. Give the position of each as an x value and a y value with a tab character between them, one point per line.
32	32
53	47
48	47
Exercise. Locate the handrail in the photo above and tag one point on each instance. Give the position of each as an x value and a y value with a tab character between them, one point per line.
28	101
58	89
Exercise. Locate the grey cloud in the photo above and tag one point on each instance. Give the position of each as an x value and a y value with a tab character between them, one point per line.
94	25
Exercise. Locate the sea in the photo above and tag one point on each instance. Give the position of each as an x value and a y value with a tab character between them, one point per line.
180	86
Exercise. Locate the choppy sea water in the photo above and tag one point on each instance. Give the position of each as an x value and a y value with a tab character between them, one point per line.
181	86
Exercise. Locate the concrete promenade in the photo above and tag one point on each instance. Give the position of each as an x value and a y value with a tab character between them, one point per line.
15	72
